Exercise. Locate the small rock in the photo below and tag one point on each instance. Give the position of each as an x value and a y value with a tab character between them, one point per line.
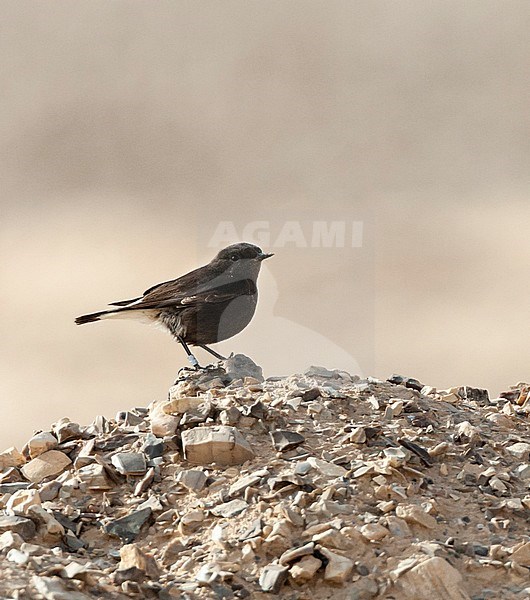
20	501
17	556
244	482
520	450
9	539
129	463
221	445
406	381
240	366
374	532
20	525
128	419
132	556
66	430
272	578
230	416
315	371
296	553
10	475
395	457
398	527
179	405
192	479
11	458
477	395
53	588
95	477
48	464
306	569
163	425
153	446
433	579
522	555
41	442
338	569
128	527
326	468
50	528
229	509
357	436
145	482
415	514
286	440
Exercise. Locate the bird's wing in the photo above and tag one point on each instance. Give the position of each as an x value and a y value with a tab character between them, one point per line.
177	298
166	288
124	302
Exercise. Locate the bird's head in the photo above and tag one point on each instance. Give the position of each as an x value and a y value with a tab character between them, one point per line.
242	259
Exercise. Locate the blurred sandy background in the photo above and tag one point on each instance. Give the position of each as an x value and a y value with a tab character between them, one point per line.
130	129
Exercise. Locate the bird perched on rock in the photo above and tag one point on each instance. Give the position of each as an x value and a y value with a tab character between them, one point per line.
207	305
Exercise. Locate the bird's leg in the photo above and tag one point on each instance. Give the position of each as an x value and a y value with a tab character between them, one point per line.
212	352
194	362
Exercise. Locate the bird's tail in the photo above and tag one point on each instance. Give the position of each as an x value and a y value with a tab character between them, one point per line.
97	316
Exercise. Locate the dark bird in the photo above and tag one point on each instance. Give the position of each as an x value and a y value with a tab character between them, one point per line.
207	305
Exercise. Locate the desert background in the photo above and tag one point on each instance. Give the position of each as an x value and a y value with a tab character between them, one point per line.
131	130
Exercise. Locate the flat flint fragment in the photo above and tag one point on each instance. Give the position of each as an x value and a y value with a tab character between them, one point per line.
127	528
286	440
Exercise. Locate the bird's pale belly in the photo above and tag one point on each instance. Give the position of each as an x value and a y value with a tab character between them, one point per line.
210	323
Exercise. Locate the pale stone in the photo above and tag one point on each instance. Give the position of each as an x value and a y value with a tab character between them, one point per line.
66	430
295	553
331	538
395	457
10	539
163	425
412	513
433	579
306	569
522	555
192	479
192	518
397	527
95	477
177	405
221	445
358	436
229	509
450	398
272	578
523	471
326	468
17	556
52	588
374	532
244	482
20	501
520	450
468	431
47	464
132	556
52	528
41	442
438	449
339	567
11	458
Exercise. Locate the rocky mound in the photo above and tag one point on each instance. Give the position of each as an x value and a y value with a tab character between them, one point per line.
318	485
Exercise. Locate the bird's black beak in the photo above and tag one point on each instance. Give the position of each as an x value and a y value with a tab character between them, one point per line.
264	256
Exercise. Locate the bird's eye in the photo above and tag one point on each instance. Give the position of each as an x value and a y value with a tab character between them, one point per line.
233	257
